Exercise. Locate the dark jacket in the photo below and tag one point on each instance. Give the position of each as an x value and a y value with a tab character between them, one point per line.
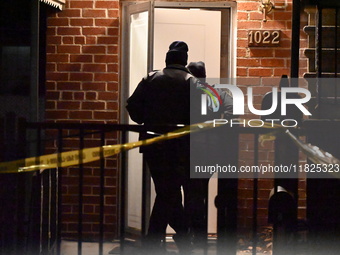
169	97
162	97
172	96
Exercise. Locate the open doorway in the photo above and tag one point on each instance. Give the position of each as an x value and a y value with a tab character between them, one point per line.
148	29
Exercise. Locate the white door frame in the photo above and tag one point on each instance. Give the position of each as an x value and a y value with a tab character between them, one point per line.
161	4
149	6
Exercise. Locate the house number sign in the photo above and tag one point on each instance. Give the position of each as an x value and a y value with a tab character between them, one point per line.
264	38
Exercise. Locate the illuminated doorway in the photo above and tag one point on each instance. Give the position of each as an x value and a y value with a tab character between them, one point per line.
147	31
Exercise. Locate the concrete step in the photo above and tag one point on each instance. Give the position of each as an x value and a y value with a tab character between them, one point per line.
92	248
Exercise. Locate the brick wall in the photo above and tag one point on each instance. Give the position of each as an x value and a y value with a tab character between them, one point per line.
83	86
254	62
82	62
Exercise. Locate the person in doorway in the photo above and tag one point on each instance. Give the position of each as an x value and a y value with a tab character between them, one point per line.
162	98
225	109
209	144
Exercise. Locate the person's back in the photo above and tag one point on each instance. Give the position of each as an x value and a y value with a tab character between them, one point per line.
163	98
166	97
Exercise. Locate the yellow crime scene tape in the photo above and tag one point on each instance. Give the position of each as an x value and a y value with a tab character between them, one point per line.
75	157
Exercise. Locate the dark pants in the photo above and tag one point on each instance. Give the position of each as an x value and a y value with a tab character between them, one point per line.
169	167
196	198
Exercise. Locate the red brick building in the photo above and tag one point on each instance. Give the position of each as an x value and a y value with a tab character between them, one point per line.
84	45
85	54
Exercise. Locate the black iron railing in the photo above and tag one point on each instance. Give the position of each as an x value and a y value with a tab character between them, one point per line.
327	51
49	235
45	218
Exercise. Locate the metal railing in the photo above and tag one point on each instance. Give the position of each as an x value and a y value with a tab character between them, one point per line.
51	181
45	214
327	51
